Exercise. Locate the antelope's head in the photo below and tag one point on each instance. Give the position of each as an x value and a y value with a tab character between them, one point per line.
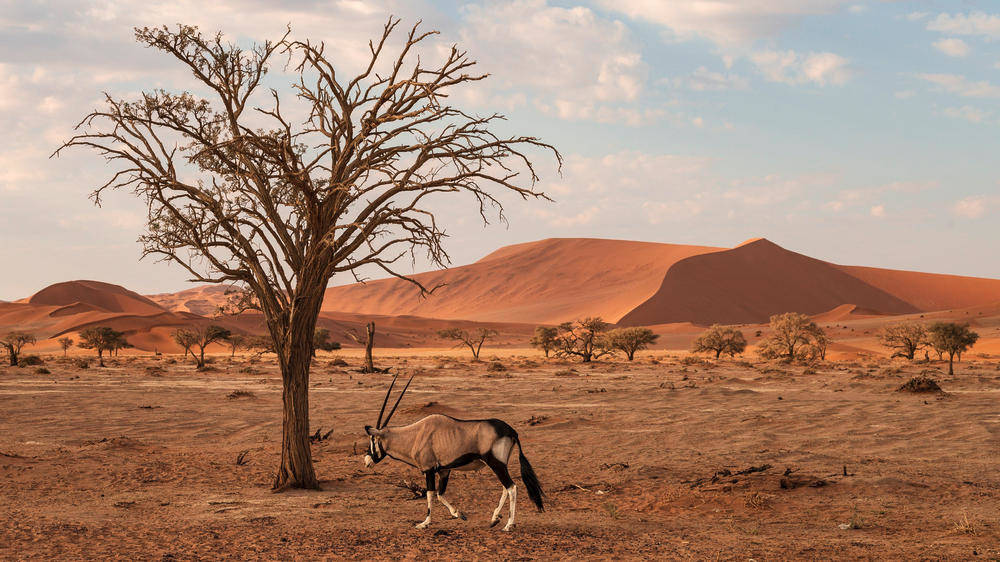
376	446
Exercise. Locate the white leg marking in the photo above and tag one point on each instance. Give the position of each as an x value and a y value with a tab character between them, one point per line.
454	512
496	512
430	501
512	492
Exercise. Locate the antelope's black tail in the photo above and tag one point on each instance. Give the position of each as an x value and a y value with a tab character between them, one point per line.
530	479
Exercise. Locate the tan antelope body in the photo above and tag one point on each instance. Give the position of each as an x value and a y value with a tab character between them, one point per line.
438	444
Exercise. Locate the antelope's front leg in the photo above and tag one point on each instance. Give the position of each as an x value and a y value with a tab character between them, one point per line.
441	488
430	499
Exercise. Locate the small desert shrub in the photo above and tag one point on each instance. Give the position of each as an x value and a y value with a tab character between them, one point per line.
30	361
81	363
757	500
42	371
496	367
205	368
920	384
240	394
567	373
692	360
338	362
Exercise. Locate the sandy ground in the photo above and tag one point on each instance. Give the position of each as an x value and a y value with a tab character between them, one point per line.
138	460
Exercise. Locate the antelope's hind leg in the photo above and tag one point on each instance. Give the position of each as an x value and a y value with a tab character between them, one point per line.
441	487
430	499
509	491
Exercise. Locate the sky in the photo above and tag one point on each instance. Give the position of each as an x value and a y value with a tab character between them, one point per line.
859	132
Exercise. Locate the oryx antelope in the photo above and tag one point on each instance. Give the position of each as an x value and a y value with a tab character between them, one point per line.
438	444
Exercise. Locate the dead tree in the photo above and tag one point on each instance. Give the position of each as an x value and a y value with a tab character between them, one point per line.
473	340
369	343
244	188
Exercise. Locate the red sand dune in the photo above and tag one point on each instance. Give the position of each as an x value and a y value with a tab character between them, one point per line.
750	283
676	289
203	299
548	281
638	283
105	296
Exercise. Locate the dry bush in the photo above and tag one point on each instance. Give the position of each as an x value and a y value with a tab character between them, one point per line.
496	367
29	361
81	363
757	500
240	394
42	371
920	384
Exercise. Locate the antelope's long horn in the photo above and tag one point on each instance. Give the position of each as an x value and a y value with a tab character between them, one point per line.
398	400
378	424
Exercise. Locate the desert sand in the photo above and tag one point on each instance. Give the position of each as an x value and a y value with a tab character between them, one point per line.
138	460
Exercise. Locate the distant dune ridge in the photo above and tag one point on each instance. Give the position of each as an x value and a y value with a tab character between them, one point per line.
543	282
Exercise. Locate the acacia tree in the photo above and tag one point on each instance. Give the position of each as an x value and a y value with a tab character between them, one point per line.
101	339
583	338
186	338
13	342
202	337
473	340
322	341
244	189
953	339
65	343
545	338
794	336
904	339
237	342
719	340
630	340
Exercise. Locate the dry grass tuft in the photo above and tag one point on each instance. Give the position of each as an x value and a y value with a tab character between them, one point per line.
965	525
240	394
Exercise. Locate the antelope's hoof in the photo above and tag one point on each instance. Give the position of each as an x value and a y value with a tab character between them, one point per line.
422	525
508	527
461	516
494	523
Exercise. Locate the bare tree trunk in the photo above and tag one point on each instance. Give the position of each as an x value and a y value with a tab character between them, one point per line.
369	344
201	358
951	364
13	356
294	347
296	469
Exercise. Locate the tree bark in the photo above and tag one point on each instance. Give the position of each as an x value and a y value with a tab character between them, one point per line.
12	354
296	469
369	344
294	344
951	364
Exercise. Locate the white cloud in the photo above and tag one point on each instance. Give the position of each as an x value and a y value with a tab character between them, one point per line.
974	23
877	211
904	94
968	113
727	23
952	47
958	84
973	207
790	67
866	196
575	63
704	80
